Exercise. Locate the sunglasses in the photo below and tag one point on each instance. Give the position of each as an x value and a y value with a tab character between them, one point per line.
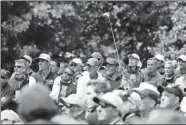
92	109
18	67
73	65
106	105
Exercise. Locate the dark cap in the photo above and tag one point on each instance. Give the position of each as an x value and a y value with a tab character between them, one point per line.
174	90
111	61
148	93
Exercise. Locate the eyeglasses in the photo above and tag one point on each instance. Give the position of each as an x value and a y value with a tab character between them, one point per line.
73	65
18	67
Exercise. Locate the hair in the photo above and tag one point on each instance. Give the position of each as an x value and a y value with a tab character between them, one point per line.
21	61
100	86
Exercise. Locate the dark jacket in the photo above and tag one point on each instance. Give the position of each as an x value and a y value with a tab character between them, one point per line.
6	94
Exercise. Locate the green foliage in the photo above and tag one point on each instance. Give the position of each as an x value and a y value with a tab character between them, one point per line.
80	28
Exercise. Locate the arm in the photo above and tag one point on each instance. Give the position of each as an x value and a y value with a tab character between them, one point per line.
55	89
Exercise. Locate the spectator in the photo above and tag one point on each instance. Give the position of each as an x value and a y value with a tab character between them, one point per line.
111	73
35	103
160	63
63	85
44	75
54	67
181	82
171	97
62	67
18	78
149	99
169	76
133	69
182	65
9	117
28	61
99	57
151	75
75	107
6	90
94	88
92	73
109	109
76	64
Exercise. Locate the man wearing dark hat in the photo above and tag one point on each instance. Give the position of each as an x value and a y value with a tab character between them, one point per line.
6	90
171	97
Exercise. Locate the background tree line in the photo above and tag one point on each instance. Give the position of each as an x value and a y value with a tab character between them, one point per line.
65	29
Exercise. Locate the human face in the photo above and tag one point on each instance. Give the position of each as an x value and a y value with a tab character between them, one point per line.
182	64
105	113
167	100
75	66
43	64
92	69
67	75
53	67
151	65
19	68
146	103
110	69
133	61
169	69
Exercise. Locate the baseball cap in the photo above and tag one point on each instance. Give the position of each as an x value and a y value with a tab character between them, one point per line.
134	55
5	74
111	61
146	85
174	90
148	93
44	56
96	55
77	61
110	98
27	57
74	99
182	57
10	115
93	62
159	57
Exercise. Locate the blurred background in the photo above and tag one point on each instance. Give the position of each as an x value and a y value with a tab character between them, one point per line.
76	29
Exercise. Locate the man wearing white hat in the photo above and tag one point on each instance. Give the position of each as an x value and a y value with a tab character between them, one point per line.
133	69
44	75
28	61
160	63
76	64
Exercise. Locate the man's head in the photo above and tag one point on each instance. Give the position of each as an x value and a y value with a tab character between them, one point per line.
28	60
74	106
98	56
133	59
76	64
92	65
110	107
112	66
44	61
169	67
160	60
149	99
54	66
151	65
20	67
182	61
170	97
67	74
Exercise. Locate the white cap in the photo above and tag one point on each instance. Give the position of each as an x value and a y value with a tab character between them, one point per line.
182	57
134	55
160	57
77	60
10	115
27	57
44	56
146	85
74	99
110	98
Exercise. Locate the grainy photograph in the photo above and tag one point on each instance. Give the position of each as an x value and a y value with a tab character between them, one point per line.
93	62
